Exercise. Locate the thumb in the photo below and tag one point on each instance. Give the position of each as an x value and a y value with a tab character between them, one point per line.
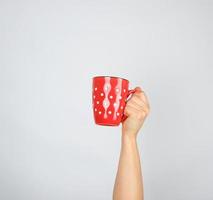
138	89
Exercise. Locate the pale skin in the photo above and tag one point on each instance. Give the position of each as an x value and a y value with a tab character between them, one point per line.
129	181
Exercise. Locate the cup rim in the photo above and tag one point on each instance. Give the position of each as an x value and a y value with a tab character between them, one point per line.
110	77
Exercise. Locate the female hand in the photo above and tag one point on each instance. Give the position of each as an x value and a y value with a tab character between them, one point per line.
137	108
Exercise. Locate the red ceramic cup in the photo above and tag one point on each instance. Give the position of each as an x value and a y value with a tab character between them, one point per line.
109	97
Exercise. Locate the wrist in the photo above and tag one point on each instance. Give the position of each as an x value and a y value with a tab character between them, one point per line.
129	137
131	134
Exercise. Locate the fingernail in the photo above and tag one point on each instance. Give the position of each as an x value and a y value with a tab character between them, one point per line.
138	89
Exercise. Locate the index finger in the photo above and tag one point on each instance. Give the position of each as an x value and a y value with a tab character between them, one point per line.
142	95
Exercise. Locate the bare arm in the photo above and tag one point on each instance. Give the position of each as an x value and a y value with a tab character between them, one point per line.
129	182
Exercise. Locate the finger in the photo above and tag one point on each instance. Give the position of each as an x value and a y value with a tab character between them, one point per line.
137	93
135	106
142	95
138	89
132	111
138	100
140	107
129	110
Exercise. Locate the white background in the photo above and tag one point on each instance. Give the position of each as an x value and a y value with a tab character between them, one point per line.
51	149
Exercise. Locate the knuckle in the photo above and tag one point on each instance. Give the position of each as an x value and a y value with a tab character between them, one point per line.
148	105
148	110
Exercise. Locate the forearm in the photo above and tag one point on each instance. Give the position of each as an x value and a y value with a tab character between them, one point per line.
128	184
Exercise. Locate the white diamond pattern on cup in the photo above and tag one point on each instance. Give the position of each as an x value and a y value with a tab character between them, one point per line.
118	94
106	102
104	92
107	87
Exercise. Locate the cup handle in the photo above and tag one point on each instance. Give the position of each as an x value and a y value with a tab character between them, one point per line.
130	92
